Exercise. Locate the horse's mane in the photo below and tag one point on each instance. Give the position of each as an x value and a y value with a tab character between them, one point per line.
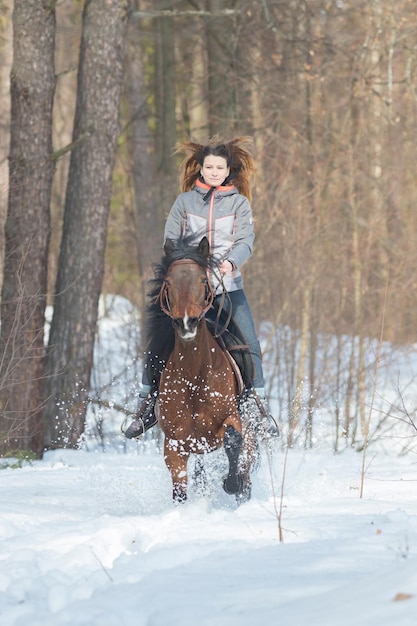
160	334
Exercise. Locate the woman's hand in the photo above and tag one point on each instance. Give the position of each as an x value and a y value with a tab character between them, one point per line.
226	267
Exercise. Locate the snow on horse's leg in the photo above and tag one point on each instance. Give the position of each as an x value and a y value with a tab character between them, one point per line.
233	482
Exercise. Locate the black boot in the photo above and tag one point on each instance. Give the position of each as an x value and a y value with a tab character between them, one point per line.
145	417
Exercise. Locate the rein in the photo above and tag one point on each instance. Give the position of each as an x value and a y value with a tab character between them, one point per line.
217	333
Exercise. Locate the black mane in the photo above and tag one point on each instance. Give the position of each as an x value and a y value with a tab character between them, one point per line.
160	334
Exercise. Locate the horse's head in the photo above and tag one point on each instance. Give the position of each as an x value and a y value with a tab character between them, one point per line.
186	294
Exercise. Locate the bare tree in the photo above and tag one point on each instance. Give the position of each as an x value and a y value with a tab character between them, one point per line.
221	48
144	210
27	227
328	91
81	263
6	38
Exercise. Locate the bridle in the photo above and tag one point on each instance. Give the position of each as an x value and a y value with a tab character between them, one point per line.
163	296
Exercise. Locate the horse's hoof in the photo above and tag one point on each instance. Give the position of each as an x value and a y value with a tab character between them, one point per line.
245	494
179	496
233	484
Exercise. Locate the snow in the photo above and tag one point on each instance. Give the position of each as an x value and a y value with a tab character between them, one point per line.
91	537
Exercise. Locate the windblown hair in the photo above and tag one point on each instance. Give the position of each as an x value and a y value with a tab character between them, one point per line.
236	152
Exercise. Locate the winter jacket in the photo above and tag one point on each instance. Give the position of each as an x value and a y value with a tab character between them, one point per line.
225	218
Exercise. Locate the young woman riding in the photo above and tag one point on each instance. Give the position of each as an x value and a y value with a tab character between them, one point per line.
215	201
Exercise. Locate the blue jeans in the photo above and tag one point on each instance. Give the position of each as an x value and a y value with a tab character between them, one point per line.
241	323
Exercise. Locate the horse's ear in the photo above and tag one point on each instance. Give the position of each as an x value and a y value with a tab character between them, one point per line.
169	247
204	247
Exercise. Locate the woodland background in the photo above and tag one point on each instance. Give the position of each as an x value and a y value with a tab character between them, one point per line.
94	96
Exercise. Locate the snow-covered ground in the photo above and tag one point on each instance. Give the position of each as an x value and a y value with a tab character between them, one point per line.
91	537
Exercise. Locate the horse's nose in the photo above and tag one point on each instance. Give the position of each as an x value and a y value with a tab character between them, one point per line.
186	327
191	323
177	323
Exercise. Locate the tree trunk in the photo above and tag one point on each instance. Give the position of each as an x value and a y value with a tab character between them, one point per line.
198	97
166	132
81	263
143	168
298	400
221	72
166	97
27	227
6	58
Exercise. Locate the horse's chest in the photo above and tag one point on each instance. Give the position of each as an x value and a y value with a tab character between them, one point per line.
192	374
195	397
203	391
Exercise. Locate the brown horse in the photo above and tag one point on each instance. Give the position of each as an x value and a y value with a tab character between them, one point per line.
198	390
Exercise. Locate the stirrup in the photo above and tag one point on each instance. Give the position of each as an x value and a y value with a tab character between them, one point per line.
138	426
135	426
144	419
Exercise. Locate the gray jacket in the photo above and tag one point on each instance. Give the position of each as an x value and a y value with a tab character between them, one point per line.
225	218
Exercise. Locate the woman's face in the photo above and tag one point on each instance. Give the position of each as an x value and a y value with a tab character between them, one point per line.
214	170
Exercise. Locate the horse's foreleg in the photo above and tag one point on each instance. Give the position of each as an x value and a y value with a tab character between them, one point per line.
233	483
176	462
200	476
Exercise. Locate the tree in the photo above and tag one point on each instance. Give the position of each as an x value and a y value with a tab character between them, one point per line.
142	154
81	263
27	227
222	74
6	58
327	90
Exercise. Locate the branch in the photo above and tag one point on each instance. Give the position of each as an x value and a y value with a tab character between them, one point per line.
109	405
171	13
59	153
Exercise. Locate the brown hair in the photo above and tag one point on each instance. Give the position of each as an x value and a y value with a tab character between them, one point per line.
236	152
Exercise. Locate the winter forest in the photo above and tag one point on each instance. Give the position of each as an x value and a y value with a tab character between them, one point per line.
94	96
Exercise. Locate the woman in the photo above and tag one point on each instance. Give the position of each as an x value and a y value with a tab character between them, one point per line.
215	201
